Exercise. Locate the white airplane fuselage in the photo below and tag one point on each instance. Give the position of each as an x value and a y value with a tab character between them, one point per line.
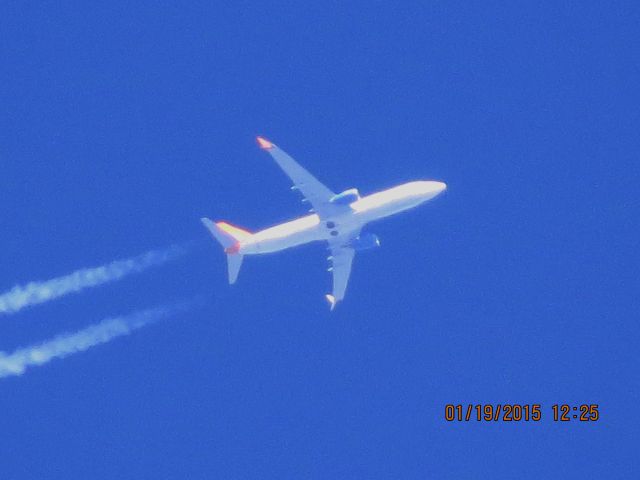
364	210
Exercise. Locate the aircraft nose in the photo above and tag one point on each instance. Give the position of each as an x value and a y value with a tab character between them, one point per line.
433	188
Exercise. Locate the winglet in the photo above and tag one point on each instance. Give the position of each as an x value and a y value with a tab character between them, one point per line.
332	301
264	143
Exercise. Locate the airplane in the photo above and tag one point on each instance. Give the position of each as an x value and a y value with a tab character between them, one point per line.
337	219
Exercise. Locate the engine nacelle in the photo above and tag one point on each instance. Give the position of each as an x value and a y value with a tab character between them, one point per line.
365	242
346	198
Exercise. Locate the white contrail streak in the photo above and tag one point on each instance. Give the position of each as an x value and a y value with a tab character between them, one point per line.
33	293
69	343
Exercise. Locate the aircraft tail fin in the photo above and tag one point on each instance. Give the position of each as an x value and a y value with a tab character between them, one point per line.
234	262
229	237
226	234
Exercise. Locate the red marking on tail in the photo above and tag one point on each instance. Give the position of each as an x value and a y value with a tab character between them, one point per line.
233	249
264	143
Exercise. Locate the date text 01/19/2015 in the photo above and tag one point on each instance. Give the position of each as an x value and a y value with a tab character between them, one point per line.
519	412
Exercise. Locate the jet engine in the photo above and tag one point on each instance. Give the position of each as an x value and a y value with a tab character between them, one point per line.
365	242
346	198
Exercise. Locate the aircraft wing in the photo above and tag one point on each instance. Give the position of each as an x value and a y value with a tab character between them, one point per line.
341	260
316	193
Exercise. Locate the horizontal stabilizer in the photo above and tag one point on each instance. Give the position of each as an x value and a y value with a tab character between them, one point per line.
234	262
229	237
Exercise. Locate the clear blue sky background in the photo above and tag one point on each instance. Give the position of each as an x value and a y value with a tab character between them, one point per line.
122	124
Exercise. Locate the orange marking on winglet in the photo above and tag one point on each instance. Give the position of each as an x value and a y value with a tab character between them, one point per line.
264	143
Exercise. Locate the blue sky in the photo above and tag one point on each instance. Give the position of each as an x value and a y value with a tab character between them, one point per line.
121	125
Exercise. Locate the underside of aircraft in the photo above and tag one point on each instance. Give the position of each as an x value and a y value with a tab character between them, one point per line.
336	218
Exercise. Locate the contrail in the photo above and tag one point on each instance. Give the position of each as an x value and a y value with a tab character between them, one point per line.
69	343
33	293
